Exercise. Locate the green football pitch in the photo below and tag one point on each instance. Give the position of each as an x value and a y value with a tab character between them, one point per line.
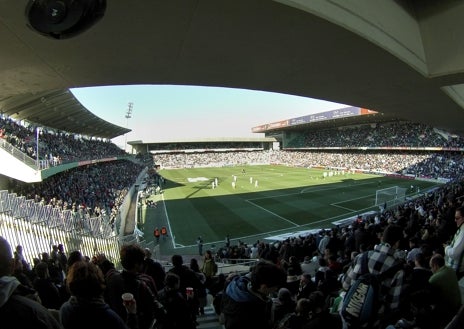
284	199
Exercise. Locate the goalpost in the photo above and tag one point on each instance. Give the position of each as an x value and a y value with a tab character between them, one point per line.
390	196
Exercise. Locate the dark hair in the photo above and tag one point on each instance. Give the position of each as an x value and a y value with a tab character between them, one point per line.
171	280
41	270
194	265
74	256
106	266
5	257
269	274
177	260
85	280
131	256
303	307
438	260
317	300
392	234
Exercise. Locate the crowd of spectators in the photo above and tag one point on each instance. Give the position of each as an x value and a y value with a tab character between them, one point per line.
446	165
319	263
91	191
389	134
205	146
55	147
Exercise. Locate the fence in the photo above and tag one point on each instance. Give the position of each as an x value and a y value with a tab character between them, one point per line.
38	227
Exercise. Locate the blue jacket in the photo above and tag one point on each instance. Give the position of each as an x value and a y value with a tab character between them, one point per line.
244	308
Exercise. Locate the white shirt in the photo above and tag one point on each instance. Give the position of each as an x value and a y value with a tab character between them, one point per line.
454	252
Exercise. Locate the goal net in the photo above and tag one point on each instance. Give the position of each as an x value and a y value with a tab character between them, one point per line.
390	196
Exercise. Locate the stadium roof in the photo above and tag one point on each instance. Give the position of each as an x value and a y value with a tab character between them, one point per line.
396	57
370	118
209	140
59	109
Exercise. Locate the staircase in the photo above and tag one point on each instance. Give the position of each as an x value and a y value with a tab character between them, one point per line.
210	320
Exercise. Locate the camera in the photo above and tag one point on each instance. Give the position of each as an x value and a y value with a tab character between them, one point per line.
61	19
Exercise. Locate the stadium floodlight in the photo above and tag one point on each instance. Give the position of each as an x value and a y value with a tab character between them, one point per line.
128	115
390	196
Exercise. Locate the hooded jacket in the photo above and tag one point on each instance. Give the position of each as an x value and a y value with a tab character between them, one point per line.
18	310
244	308
89	314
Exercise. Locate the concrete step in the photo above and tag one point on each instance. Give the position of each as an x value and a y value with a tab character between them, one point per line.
210	320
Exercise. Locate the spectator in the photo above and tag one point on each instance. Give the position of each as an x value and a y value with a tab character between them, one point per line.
132	257
188	279
245	303
282	305
380	260
178	315
48	292
86	284
445	289
154	269
320	315
114	287
307	286
17	309
201	291
209	267
454	251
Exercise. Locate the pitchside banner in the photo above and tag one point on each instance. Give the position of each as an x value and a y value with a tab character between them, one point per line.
328	115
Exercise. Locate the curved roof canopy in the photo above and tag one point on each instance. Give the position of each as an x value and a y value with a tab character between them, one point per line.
59	109
401	57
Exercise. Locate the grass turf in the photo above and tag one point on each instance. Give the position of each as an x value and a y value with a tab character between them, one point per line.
287	199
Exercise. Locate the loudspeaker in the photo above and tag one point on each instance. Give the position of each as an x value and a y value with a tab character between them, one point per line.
61	19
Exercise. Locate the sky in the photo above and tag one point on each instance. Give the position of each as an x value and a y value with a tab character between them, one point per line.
169	113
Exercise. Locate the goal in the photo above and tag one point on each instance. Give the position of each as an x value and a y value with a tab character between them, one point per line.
390	196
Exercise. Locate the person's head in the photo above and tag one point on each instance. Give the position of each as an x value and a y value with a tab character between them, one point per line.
177	260
317	301
293	260
172	281
45	257
42	270
392	235
106	266
74	256
19	249
208	254
459	216
303	307
420	260
284	295
132	257
436	262
85	280
6	258
305	278
267	277
194	265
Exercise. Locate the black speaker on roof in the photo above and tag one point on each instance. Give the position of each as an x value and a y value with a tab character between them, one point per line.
61	19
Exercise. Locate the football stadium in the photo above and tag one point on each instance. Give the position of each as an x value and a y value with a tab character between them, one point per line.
301	222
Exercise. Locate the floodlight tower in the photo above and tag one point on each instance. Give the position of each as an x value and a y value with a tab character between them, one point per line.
128	116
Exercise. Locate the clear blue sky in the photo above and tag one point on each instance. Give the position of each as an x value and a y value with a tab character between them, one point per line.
164	113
